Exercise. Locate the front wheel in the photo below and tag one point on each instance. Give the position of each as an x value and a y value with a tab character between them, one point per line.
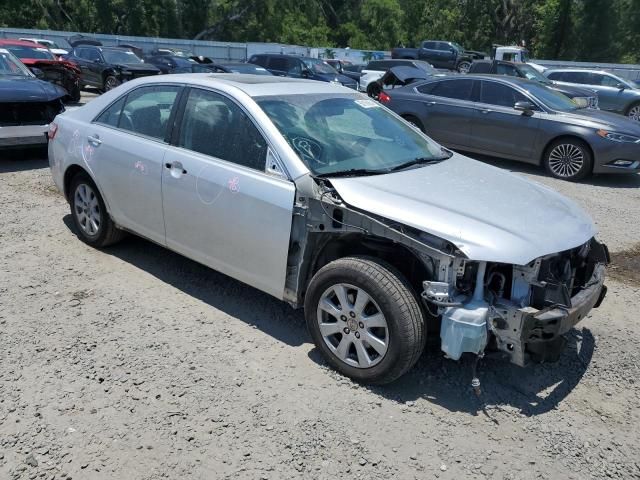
464	66
110	83
633	112
365	319
568	159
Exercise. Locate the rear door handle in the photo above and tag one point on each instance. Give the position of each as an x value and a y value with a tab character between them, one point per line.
430	104
176	167
94	140
485	111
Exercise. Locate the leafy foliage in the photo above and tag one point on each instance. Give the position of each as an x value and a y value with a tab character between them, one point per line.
589	30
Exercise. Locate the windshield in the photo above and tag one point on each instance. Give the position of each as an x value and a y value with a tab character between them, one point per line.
319	66
551	98
458	46
120	56
425	66
10	65
333	133
48	43
31	52
532	74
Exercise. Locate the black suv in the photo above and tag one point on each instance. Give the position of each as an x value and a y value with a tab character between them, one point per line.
107	67
302	67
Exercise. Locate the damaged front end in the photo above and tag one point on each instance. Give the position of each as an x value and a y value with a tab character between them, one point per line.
521	311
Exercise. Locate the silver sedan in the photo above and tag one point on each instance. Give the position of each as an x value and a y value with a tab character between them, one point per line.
326	199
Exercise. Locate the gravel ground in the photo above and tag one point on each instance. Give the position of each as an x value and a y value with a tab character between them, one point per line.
135	363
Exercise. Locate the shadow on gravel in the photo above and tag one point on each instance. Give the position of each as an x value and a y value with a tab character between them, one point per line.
19	160
601	180
271	316
533	390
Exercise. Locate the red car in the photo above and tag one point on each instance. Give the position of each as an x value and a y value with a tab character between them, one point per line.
46	66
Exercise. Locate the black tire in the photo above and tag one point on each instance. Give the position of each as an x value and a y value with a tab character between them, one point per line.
74	94
415	122
396	301
107	233
374	90
633	112
110	82
562	150
463	66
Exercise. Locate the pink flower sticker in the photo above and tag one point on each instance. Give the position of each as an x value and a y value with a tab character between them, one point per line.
234	184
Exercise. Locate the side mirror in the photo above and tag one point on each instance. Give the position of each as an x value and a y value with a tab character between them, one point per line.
38	73
621	86
525	107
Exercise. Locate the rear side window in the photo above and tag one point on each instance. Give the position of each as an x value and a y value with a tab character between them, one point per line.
259	60
555	76
147	110
494	93
503	69
455	89
214	125
429	45
111	116
577	77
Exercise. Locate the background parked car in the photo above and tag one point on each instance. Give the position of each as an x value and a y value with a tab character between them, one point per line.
53	46
175	64
241	67
520	120
27	104
440	54
615	94
46	66
346	68
583	97
396	77
301	67
375	69
107	67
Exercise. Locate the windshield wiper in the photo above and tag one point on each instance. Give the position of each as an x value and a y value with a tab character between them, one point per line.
423	161
353	172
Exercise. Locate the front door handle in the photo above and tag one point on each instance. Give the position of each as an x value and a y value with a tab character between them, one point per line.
94	140
176	167
430	104
485	111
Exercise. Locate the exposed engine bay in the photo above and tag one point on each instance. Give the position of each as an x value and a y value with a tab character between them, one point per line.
29	113
520	311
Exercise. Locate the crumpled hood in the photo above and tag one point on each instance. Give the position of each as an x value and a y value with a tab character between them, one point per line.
14	88
488	213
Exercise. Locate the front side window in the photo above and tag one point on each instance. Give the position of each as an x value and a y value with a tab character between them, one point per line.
605	80
319	66
147	110
10	65
92	54
347	134
214	125
279	63
494	93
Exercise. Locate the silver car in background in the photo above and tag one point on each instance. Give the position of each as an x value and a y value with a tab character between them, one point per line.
615	94
327	200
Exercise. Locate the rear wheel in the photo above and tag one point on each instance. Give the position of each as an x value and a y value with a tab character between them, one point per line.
110	82
365	319
568	159
633	112
90	216
74	94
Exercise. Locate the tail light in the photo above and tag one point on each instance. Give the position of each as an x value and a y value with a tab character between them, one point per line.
53	129
384	97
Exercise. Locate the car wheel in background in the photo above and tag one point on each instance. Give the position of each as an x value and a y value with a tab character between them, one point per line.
464	66
415	122
75	93
365	319
374	90
634	112
90	217
568	159
110	83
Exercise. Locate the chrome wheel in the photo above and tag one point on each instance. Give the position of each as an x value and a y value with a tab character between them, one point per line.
87	209
464	67
110	83
634	113
353	326
566	160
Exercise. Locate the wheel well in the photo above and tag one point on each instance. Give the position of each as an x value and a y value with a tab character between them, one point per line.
71	172
412	118
570	137
402	258
630	106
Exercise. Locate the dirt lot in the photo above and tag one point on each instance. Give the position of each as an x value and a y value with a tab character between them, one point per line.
135	363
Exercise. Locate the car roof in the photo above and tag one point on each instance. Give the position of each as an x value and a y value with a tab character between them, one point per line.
589	70
518	81
20	43
252	85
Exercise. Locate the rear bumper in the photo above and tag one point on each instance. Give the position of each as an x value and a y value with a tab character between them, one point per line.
23	136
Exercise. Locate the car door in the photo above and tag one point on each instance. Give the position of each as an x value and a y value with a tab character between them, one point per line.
279	66
221	208
498	128
429	53
125	150
447	55
81	55
447	110
611	96
95	65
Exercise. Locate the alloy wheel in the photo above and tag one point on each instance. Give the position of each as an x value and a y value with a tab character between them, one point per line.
566	160
634	113
352	326
87	210
110	83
